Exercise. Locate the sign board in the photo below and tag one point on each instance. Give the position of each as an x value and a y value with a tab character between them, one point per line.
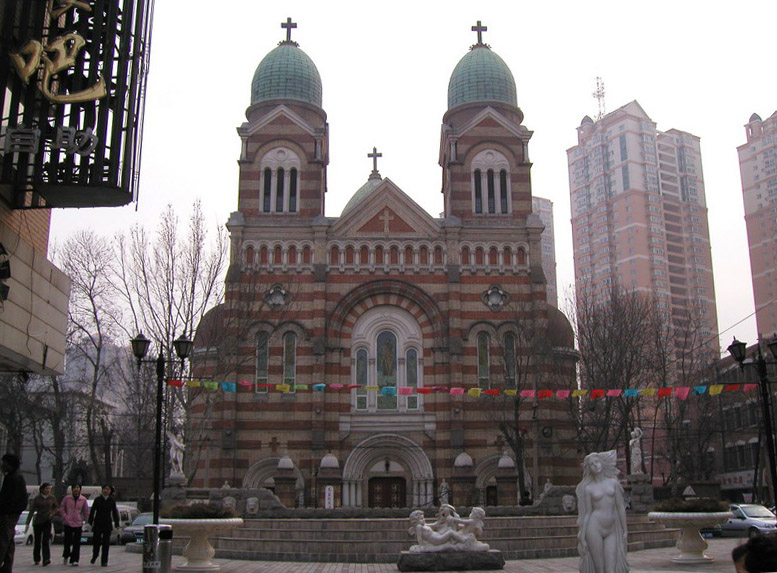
72	87
329	497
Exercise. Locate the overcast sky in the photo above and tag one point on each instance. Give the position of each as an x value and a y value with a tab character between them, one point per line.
385	68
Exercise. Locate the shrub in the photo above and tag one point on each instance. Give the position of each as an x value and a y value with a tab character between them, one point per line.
699	505
199	511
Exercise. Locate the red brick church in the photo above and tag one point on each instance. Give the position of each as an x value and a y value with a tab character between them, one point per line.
379	357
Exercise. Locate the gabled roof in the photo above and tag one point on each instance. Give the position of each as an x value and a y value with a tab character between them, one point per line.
248	129
386	211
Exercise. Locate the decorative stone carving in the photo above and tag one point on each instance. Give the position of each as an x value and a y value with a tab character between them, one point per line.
635	445
276	297
252	506
602	534
449	532
495	298
177	448
229	502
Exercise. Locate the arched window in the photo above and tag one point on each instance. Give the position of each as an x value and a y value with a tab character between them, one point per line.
364	256
509	357
411	377
478	188
387	369
262	345
361	379
484	375
290	360
280	173
267	198
490	172
249	260
292	254
292	190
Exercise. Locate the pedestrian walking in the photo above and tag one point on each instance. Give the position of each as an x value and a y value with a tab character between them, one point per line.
13	501
103	517
75	511
43	507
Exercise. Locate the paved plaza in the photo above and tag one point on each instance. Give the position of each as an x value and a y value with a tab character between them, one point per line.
641	561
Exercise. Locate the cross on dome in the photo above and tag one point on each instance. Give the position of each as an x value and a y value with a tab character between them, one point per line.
288	25
374	156
479	28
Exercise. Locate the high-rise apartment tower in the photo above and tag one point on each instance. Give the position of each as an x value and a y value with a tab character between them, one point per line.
758	167
639	217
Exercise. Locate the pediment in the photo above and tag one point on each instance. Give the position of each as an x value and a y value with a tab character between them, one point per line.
490	118
279	114
387	212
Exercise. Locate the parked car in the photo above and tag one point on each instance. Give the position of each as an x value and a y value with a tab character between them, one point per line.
21	532
134	533
749	520
127	515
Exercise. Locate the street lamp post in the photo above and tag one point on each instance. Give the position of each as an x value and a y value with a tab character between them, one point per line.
738	351
183	347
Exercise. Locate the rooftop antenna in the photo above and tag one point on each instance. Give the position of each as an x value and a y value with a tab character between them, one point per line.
599	95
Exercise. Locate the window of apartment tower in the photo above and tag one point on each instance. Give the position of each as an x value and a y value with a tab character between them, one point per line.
280	179
491	183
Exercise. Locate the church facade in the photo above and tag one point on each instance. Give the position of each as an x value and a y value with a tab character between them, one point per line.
382	358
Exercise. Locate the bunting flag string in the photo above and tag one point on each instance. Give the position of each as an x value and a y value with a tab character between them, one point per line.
679	392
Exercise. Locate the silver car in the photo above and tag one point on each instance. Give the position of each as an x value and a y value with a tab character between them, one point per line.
749	520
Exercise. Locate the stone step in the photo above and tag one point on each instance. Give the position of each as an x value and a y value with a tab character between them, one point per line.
382	540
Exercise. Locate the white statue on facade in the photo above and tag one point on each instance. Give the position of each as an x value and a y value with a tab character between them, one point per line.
444	491
177	449
635	445
449	532
602	535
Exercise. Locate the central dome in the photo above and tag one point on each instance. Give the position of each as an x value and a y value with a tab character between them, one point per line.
481	75
288	73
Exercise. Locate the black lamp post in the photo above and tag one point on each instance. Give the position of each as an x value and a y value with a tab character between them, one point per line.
738	351
183	347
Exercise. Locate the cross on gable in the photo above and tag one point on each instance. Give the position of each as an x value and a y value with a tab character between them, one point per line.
374	156
479	29
288	25
386	217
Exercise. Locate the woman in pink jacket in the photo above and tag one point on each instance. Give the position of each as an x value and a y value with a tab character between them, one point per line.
74	511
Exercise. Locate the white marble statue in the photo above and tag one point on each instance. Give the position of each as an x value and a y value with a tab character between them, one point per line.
449	532
635	445
602	535
444	491
176	454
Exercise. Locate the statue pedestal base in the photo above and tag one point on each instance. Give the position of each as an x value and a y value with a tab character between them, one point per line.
451	561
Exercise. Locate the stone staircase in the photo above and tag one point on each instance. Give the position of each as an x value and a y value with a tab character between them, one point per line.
382	540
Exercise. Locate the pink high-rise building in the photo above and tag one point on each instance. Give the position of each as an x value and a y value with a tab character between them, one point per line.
639	216
758	167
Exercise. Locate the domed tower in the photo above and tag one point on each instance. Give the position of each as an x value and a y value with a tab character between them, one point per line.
285	140
483	146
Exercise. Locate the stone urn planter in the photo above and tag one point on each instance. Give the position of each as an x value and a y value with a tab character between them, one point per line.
691	544
199	552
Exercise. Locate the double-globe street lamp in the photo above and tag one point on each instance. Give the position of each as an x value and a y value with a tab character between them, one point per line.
738	351
183	347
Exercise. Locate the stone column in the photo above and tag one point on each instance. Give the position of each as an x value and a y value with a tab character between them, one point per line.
507	486
463	492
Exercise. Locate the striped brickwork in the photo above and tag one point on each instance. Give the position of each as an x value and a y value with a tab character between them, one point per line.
385	256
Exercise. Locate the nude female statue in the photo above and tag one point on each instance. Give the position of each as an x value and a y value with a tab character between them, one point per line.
430	540
602	535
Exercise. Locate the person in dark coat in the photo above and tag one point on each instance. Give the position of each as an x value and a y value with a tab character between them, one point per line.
43	506
13	501
103	517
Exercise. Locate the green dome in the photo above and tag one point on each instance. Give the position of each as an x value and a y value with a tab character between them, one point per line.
363	192
286	72
481	75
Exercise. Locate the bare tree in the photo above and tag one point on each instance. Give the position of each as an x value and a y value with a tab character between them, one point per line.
615	337
685	357
93	323
168	282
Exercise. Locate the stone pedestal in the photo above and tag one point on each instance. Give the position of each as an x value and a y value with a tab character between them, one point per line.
286	487
333	480
507	486
640	491
451	561
462	489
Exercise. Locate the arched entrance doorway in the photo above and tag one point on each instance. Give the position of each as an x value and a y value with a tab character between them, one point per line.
387	470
